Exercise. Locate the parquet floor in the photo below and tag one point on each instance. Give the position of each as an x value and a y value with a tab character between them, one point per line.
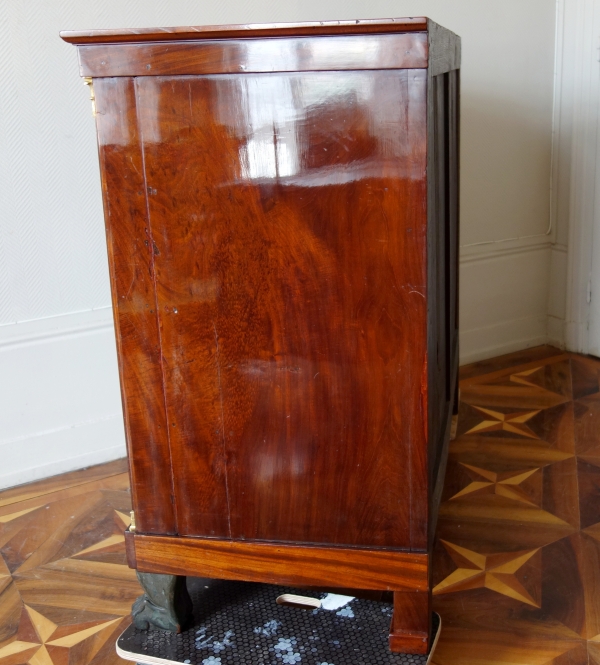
65	588
517	559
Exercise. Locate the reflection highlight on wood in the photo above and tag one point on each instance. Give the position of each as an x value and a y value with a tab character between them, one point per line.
516	569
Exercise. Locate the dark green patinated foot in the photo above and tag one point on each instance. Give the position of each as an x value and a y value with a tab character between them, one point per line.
166	603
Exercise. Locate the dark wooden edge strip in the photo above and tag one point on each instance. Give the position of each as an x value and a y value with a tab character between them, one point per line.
130	549
409	642
410	628
294	565
437	486
444	49
345	52
359	26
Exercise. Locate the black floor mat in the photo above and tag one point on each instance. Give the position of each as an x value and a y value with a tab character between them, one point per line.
239	623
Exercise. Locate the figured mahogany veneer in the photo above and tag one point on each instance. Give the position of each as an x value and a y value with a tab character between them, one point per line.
291	54
293	565
281	206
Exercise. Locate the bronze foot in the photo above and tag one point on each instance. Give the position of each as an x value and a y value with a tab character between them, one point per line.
165	604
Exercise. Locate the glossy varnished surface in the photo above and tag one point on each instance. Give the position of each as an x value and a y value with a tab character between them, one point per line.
65	589
289	54
284	564
357	26
269	247
131	254
276	258
289	251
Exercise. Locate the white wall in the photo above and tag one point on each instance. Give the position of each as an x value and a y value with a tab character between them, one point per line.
59	388
574	298
561	176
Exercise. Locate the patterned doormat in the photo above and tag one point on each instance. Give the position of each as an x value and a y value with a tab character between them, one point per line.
239	623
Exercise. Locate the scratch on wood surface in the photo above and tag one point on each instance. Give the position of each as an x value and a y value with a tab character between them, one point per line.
222	426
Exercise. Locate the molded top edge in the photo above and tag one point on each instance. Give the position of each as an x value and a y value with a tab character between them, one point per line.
358	26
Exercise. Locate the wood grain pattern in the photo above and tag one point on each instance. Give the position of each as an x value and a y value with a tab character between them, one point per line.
293	348
517	578
505	361
516	561
65	588
61	482
131	261
130	549
283	564
358	26
411	623
291	54
282	220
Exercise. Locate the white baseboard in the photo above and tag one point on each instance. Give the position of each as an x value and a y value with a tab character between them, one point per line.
61	404
500	338
80	445
53	328
503	296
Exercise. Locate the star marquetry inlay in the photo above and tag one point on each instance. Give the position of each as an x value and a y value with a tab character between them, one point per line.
490	571
520	377
48	634
503	484
507	422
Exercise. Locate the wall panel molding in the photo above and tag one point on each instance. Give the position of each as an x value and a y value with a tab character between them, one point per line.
483	252
61	407
503	301
79	446
39	331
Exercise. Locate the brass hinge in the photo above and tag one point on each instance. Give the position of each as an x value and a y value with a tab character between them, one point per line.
87	80
132	524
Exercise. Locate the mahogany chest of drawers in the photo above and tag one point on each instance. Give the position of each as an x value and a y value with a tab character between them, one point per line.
281	207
